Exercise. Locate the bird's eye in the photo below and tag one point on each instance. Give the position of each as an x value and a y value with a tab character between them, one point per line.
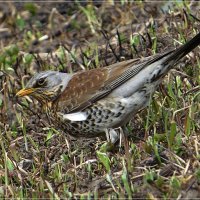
41	81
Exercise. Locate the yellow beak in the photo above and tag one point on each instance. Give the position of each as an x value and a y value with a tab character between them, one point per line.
24	92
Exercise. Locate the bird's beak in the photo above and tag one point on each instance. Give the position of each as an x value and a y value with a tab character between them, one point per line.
24	92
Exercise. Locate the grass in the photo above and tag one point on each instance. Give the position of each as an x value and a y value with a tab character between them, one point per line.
39	161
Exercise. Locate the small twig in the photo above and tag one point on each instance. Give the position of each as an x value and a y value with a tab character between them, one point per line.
75	59
106	37
106	54
142	38
150	40
194	17
60	62
120	43
38	59
195	89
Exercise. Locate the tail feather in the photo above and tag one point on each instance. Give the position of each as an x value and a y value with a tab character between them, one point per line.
183	50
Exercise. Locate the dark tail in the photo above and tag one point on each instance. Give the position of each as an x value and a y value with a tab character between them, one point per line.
183	50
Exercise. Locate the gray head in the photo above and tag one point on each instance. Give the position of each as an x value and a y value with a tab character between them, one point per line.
46	86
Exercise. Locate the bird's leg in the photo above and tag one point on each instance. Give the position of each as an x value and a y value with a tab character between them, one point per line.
112	136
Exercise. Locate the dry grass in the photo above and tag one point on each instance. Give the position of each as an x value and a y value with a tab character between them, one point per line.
38	161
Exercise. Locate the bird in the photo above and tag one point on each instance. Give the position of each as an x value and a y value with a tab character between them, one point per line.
87	103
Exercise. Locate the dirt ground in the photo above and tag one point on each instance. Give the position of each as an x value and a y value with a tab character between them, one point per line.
39	161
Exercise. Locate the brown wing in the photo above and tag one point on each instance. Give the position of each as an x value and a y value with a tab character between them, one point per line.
87	87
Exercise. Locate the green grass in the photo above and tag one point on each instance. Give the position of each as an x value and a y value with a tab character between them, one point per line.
38	161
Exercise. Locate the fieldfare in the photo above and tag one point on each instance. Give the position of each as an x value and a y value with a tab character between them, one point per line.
87	103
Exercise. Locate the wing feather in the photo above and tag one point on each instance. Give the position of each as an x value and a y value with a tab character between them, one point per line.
87	87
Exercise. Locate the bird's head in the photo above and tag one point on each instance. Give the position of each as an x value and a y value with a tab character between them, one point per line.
45	86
